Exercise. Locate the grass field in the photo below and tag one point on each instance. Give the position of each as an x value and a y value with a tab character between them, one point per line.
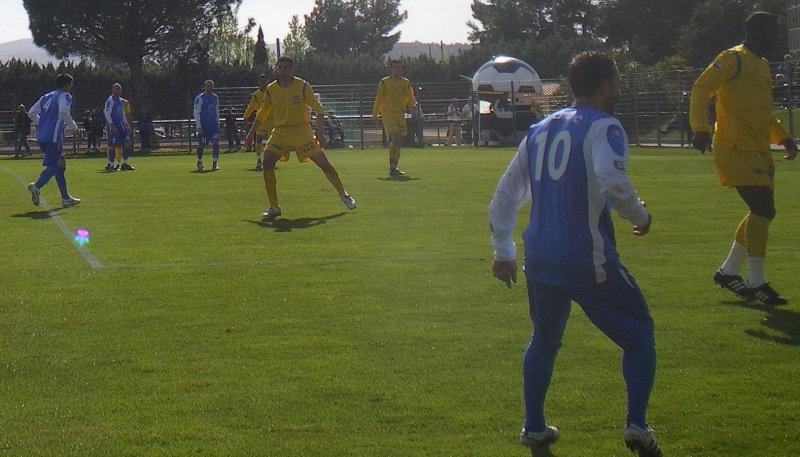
189	327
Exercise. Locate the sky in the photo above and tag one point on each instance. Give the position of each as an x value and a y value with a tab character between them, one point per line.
429	21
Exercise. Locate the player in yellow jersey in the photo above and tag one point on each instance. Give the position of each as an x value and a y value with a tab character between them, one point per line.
394	95
741	80
290	98
256	100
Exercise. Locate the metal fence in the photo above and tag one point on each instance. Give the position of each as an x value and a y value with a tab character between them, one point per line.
650	109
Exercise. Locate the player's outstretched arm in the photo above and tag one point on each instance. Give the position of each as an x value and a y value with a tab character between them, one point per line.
791	149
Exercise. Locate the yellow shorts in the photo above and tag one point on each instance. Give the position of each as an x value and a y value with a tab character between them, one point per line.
393	122
298	138
744	168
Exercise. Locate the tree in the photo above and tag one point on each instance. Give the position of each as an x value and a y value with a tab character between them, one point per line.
530	20
360	27
261	53
648	29
126	31
230	45
295	44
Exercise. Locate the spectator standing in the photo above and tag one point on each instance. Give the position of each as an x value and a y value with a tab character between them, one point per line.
232	130
453	114
145	124
22	128
97	129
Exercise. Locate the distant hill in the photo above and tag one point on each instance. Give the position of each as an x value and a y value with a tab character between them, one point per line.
25	50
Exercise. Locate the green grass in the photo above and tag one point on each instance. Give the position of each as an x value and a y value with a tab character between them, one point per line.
190	327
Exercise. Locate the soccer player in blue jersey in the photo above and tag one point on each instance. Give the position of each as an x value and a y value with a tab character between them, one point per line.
572	166
117	112
51	114
206	117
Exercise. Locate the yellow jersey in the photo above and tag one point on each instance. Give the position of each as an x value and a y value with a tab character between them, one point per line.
742	83
289	104
393	95
256	100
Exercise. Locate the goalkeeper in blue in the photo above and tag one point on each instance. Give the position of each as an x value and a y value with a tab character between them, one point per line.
51	114
572	167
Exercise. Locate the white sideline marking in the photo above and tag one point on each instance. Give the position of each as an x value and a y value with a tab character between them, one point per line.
87	255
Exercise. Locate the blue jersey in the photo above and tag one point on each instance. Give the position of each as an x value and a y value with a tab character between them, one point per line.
570	237
206	112
53	110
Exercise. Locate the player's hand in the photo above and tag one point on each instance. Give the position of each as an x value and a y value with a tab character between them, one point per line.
248	140
642	230
791	149
506	271
702	141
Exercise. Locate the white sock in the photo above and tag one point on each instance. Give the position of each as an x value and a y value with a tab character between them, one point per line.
755	272
735	260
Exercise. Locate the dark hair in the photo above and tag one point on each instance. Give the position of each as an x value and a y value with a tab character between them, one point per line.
286	60
63	79
395	61
588	71
262	76
759	21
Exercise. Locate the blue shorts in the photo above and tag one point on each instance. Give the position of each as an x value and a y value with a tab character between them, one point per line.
210	135
615	306
120	138
53	153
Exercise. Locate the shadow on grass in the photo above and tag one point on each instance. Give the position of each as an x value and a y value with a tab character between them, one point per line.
287	225
541	451
398	179
780	325
39	214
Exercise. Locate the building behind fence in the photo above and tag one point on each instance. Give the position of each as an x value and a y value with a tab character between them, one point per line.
650	109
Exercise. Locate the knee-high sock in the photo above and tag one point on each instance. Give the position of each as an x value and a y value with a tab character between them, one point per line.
756	232
333	177
394	154
61	180
45	176
118	154
537	370
126	152
215	152
259	153
270	184
639	371
111	151
199	154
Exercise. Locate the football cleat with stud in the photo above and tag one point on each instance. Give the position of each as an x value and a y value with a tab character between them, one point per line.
734	283
531	439
71	201
34	193
271	213
126	167
394	172
110	167
768	296
642	441
259	166
200	165
349	201
214	166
